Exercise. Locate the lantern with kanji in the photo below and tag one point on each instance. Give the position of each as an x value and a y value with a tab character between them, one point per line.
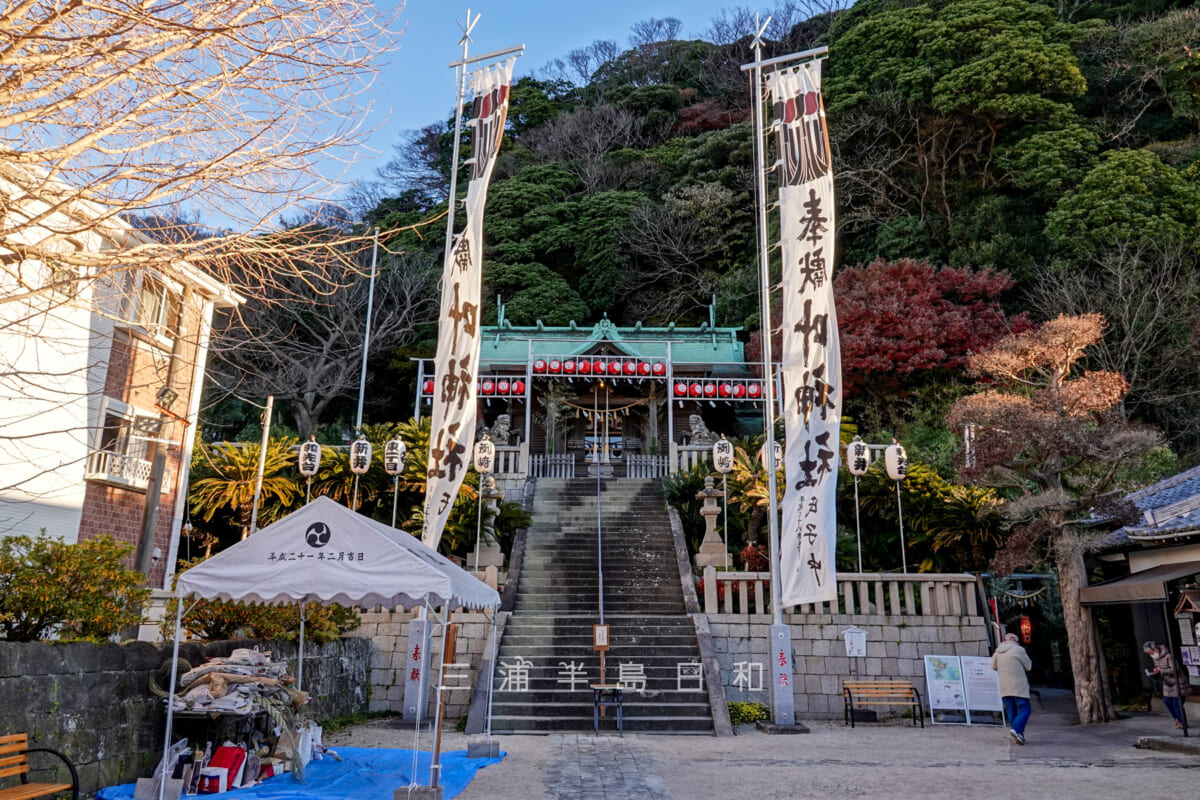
518	387
1026	630
858	457
485	455
895	459
776	451
393	456
539	366
568	367
681	390
360	455
310	458
722	455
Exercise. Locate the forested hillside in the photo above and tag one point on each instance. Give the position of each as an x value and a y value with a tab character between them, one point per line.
998	163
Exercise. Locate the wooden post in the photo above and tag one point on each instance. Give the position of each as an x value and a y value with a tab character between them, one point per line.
447	653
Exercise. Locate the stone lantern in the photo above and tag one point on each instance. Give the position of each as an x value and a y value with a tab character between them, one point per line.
712	549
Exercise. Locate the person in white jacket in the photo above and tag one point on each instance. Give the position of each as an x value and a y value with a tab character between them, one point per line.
1012	663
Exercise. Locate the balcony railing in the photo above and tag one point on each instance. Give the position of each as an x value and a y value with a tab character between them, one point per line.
118	469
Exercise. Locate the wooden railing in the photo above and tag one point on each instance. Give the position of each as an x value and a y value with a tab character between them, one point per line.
684	457
510	460
876	593
638	466
559	466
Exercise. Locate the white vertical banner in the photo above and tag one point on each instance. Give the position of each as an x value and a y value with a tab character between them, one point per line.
811	358
456	365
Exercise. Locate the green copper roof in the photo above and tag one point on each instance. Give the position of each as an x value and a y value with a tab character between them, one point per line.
507	344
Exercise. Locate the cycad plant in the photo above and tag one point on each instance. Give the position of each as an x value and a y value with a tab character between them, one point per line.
224	479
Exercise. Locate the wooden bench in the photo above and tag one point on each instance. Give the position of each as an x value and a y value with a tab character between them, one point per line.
856	694
14	760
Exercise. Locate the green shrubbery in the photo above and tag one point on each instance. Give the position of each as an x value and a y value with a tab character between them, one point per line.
71	591
741	713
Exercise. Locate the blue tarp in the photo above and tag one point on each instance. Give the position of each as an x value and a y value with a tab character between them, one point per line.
365	773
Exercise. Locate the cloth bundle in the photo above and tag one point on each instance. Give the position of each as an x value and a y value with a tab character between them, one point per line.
242	683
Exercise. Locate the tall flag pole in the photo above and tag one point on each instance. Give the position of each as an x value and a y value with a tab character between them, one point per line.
456	366
784	546
811	358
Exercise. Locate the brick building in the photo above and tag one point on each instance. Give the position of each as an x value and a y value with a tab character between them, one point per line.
100	375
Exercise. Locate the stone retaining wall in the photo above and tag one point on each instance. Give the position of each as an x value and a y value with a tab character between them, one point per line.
92	703
388	631
896	647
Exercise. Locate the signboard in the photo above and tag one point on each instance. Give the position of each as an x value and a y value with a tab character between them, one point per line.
600	637
856	642
945	690
985	705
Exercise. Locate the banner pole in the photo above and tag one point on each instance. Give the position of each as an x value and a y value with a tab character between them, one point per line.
460	78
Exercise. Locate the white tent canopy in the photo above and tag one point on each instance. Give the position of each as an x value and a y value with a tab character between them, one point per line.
328	554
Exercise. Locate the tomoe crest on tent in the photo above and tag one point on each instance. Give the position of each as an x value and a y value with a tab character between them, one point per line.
317	534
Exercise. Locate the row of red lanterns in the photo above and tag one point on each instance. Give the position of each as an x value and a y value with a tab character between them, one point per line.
489	387
628	368
737	391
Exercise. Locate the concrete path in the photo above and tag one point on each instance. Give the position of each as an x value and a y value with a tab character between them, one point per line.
884	760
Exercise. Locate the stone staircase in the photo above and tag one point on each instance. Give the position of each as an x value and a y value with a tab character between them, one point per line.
546	663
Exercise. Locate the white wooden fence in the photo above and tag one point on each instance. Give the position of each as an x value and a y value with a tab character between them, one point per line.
896	594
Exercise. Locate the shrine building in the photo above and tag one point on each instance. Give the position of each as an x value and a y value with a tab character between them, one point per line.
640	401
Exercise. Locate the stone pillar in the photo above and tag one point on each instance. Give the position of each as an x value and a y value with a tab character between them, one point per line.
712	549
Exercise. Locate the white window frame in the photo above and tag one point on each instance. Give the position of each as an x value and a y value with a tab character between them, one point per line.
169	298
121	458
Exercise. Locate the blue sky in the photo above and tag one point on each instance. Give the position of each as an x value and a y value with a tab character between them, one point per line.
416	88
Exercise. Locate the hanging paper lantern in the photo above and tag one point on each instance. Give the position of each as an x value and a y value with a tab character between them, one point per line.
585	367
487	387
518	387
681	390
659	368
485	455
710	390
598	367
858	456
722	455
895	459
310	457
393	456
629	367
696	390
427	388
555	365
614	368
739	390
725	390
360	455
502	387
568	367
539	366
643	368
754	390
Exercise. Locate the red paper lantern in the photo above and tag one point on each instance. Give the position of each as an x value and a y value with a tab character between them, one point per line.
569	367
539	366
1026	630
739	390
710	390
659	368
502	387
585	367
428	387
555	365
643	368
696	390
598	367
680	389
488	387
630	367
725	390
754	390
518	387
614	368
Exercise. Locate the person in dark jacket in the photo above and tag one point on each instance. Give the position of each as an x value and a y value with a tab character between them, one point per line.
1164	667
